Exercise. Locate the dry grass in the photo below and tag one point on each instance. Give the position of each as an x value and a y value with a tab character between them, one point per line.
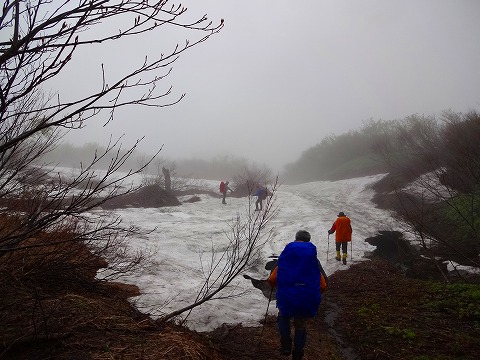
377	313
95	322
51	307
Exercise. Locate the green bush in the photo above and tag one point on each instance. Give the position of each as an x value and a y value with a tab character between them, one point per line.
460	299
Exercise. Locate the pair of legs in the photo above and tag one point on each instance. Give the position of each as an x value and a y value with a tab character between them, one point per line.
299	338
343	245
259	201
224	196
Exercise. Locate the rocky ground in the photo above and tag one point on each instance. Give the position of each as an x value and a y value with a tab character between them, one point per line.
383	308
374	311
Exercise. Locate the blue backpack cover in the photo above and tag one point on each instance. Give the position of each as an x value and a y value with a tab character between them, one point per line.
298	280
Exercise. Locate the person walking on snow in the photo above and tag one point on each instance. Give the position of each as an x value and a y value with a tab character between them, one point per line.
298	278
343	235
261	195
224	191
168	180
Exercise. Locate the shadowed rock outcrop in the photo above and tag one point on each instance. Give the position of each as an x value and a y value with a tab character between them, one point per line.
148	196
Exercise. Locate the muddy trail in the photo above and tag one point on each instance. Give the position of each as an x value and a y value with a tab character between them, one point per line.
392	306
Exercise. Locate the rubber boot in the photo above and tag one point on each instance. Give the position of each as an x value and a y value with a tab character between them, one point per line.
299	341
297	355
338	256
344	259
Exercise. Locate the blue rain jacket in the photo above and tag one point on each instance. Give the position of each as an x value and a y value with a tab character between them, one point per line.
298	280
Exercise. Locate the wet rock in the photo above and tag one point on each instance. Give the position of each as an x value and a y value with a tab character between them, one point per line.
192	199
391	246
147	196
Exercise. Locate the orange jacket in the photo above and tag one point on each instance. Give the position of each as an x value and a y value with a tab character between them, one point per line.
342	229
272	280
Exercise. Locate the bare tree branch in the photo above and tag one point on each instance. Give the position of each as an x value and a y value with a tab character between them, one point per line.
440	161
246	239
43	42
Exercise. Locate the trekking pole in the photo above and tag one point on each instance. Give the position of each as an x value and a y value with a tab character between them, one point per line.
265	320
328	245
351	250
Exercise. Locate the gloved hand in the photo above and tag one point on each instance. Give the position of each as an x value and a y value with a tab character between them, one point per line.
330	232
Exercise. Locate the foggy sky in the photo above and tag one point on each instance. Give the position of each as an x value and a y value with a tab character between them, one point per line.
282	75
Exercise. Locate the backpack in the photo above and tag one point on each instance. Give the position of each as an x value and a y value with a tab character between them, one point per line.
299	280
222	187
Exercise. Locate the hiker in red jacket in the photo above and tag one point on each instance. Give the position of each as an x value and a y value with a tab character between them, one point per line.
343	235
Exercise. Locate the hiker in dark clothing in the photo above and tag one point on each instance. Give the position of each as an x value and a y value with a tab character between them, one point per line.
299	278
168	181
225	189
261	195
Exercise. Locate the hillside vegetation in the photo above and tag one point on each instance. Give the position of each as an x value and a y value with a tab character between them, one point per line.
433	181
338	157
371	311
387	146
53	307
59	259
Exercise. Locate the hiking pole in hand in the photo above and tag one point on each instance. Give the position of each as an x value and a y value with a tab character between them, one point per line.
328	245
351	250
265	320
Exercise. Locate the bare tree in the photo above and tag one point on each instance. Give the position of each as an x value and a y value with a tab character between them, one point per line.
178	183
52	225
58	221
43	38
435	179
247	236
251	176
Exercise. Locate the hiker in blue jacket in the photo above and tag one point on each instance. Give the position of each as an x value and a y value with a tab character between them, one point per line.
261	195
298	279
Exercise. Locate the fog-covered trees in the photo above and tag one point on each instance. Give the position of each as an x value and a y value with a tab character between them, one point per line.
337	157
247	236
434	182
40	38
52	229
47	229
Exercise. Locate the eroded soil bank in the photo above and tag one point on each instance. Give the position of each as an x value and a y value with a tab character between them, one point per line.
375	310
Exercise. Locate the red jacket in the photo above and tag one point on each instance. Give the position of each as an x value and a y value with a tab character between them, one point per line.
342	229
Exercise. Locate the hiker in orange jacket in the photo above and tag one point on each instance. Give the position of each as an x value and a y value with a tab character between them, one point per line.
343	235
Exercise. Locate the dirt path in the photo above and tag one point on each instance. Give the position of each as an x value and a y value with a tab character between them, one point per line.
373	311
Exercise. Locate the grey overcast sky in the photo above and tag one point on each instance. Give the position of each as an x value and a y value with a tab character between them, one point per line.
281	75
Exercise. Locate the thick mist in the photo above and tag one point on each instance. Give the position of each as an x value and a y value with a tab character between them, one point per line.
282	75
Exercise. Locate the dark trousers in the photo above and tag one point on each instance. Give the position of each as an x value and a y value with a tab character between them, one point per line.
300	335
344	246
